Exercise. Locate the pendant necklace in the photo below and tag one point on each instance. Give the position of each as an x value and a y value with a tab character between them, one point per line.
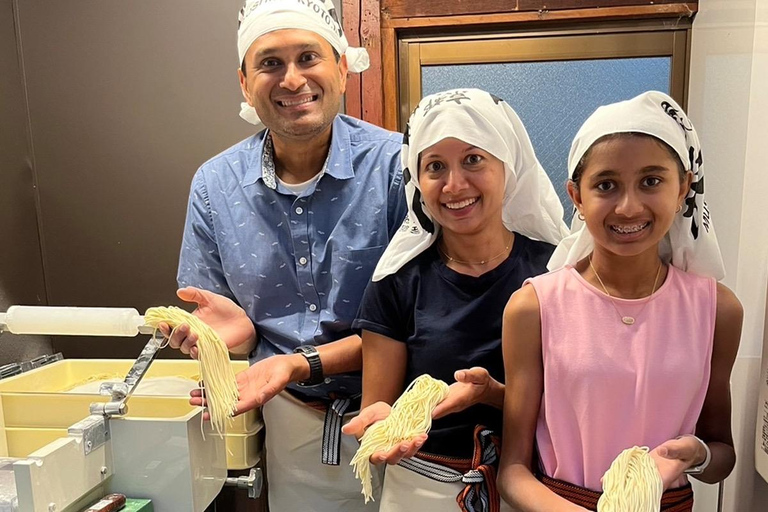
626	319
483	262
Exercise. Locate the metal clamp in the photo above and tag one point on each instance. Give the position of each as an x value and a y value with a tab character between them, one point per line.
253	482
11	369
41	361
120	392
93	432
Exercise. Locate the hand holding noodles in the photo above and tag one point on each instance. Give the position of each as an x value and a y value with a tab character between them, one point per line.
410	416
632	483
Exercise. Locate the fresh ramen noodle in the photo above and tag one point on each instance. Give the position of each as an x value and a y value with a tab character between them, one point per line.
220	385
632	483
411	415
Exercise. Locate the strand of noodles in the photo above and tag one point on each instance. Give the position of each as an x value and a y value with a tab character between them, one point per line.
632	483
219	382
410	416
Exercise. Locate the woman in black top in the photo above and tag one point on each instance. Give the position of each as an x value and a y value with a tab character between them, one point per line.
482	218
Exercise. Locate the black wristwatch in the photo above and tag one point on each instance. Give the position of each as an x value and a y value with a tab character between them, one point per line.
315	365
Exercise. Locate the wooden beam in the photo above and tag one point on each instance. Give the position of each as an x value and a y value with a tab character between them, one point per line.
389	75
674	10
353	99
372	92
428	8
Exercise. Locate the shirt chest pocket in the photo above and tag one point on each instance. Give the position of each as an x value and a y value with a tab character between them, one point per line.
350	272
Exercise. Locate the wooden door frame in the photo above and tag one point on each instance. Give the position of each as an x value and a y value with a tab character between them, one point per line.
378	25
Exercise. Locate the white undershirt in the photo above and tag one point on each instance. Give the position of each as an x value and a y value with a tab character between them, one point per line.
298	188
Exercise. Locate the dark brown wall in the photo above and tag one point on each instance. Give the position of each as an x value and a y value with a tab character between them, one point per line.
21	268
126	100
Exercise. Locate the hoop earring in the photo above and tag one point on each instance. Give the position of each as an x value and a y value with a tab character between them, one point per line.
679	208
580	216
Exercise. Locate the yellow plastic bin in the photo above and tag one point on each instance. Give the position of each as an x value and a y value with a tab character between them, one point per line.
37	407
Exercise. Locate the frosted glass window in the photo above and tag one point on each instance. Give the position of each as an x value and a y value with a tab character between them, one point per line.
554	98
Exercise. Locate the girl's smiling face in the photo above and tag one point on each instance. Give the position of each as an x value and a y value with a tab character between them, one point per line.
629	192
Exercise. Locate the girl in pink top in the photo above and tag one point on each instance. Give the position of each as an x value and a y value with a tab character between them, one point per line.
630	340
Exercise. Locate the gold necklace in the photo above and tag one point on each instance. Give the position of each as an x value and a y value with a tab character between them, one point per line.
626	319
454	260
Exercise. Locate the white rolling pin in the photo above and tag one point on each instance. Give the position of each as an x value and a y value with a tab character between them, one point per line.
71	321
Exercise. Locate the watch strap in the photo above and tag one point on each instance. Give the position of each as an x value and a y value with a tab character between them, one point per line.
697	470
315	365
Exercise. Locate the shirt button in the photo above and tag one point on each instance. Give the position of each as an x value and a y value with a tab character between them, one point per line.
302	261
299	210
312	307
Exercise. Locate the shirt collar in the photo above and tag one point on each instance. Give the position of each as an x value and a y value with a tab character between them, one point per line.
338	163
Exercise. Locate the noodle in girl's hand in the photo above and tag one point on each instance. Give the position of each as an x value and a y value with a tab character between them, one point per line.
411	415
220	385
632	483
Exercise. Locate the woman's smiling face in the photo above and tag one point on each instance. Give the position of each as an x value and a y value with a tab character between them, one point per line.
462	186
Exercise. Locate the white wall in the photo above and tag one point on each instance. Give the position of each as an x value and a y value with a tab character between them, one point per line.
728	102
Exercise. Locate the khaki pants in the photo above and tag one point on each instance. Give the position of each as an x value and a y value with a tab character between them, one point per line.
296	478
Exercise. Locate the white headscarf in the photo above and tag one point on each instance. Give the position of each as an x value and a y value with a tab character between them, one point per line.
259	17
691	244
531	206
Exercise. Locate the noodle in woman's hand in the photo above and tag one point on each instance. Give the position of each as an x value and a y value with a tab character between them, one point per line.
411	415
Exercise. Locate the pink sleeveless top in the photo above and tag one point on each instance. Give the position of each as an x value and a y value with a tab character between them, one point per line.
610	386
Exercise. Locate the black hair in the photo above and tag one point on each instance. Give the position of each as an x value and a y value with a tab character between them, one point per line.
335	55
576	178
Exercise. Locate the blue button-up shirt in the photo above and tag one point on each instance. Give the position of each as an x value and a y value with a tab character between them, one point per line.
297	265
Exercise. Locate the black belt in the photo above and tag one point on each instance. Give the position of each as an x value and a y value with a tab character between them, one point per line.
334	420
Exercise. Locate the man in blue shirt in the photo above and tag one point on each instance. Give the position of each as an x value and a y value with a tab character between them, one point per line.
289	224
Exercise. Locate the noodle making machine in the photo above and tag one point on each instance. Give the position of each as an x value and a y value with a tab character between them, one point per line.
67	437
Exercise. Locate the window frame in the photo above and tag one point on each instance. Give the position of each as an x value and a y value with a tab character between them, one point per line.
651	38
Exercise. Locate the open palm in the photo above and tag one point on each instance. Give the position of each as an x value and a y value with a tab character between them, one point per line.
262	381
257	384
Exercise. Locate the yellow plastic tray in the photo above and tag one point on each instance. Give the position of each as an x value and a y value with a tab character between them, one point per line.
35	408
